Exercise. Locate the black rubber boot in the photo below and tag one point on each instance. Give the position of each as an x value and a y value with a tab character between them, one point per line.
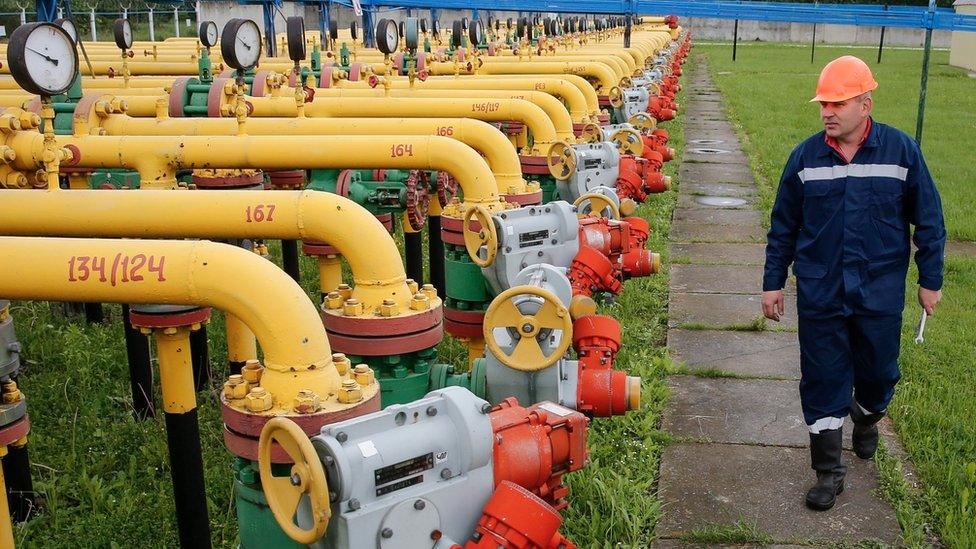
825	457
864	438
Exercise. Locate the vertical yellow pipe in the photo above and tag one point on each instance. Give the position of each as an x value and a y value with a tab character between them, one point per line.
241	343
330	273
6	527
175	370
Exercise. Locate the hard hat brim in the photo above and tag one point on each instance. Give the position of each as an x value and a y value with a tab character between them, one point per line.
830	98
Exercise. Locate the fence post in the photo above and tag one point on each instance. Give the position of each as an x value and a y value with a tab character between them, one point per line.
91	22
735	38
176	20
929	16
881	42
152	26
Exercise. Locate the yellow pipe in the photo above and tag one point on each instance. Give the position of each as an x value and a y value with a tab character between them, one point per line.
182	272
481	136
241	345
330	273
569	94
288	215
175	370
157	158
604	76
617	65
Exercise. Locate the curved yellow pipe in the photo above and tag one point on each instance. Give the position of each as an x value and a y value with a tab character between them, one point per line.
481	136
603	75
183	272
616	64
295	215
157	158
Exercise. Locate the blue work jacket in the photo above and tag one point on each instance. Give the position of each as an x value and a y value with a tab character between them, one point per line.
845	226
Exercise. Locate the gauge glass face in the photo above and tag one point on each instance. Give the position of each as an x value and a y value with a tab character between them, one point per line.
48	55
391	35
247	45
127	33
212	33
69	28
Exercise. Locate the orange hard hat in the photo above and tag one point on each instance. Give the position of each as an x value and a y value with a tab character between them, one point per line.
844	78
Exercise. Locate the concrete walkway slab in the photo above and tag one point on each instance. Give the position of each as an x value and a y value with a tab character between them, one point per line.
720	279
719	217
690	201
719	254
722	484
716	173
761	354
687	231
719	189
720	311
731	156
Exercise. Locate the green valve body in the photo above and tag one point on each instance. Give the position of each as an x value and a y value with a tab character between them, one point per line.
447	375
257	527
403	378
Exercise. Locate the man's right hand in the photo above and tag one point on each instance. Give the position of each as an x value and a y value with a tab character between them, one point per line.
773	304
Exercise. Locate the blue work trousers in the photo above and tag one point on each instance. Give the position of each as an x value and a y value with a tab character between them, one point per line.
846	355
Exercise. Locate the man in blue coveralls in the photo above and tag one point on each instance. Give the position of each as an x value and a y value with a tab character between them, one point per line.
842	213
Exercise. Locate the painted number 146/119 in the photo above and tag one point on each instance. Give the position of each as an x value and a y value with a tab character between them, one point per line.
121	269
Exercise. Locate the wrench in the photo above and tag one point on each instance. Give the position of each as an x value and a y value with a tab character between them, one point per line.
921	329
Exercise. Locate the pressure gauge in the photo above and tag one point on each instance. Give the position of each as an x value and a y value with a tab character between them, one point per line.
387	36
508	23
411	29
423	25
68	27
208	34
240	43
334	29
42	58
464	23
354	31
123	33
295	32
520	28
436	27
475	29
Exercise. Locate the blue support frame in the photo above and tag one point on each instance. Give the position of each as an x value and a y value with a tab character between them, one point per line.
47	10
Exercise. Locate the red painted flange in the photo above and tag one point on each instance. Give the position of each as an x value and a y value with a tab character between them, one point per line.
380	326
286	179
464	323
534	165
17	430
169	320
527	199
241	429
228	181
317	248
387	345
176	92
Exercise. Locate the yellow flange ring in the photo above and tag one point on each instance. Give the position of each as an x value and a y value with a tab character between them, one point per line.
527	356
306	477
591	134
628	141
643	122
486	236
598	203
561	160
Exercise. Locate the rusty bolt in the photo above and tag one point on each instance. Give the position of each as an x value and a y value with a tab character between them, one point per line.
430	291
16	180
11	393
419	302
363	374
235	388
412	284
169	331
258	399
307	402
103	108
350	392
252	371
352	307
145	331
342	363
345	291
388	308
333	300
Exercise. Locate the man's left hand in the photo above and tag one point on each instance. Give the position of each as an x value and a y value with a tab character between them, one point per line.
928	299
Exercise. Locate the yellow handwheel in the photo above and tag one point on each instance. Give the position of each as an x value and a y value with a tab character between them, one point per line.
527	356
626	82
628	141
306	478
616	97
561	160
598	203
643	122
486	236
591	134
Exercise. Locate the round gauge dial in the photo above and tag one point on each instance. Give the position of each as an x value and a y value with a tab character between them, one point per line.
240	43
208	34
411	33
69	27
423	25
387	36
436	27
123	33
295	31
474	32
456	33
42	58
354	30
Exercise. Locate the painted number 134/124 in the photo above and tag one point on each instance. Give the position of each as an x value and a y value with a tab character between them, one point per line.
116	270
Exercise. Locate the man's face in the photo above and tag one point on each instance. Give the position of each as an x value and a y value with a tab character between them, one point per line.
842	118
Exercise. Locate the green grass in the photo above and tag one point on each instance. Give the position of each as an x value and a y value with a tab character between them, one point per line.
738	532
104	477
766	90
768	86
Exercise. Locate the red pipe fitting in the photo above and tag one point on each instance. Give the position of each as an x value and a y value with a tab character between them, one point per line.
640	229
652	154
639	263
591	271
514	518
630	185
535	446
596	340
608	237
604	393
